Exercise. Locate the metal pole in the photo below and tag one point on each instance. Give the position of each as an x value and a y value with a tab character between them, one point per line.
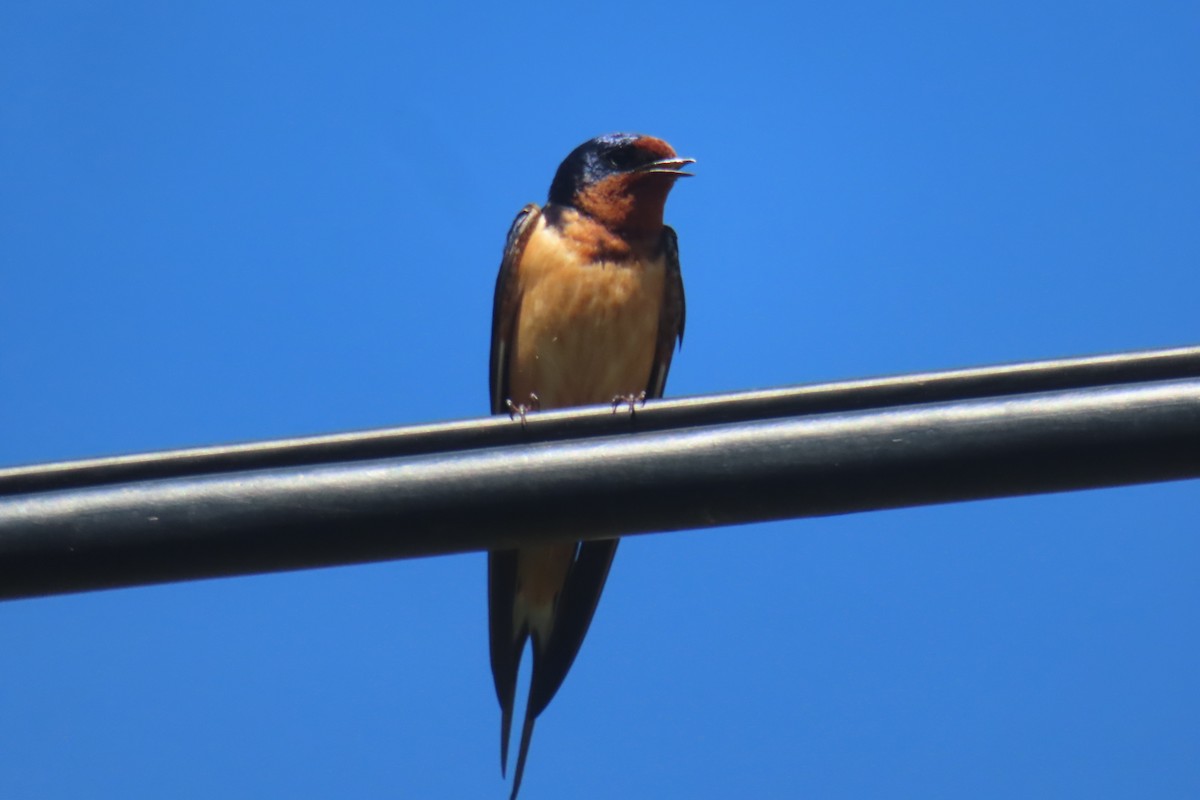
279	518
926	387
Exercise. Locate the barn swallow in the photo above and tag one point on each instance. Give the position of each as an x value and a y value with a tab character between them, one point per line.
588	309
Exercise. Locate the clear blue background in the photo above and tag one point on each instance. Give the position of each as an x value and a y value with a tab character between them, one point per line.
233	220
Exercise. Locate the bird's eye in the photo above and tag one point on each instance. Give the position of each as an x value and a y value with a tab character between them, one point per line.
622	157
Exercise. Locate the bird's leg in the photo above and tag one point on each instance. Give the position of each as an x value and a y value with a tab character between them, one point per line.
522	409
631	400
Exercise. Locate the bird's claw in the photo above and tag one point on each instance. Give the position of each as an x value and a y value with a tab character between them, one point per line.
634	401
522	410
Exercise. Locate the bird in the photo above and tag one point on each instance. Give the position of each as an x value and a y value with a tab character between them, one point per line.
588	309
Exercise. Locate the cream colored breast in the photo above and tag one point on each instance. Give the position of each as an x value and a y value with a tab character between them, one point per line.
586	331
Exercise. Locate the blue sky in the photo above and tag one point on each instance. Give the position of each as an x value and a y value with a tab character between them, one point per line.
236	221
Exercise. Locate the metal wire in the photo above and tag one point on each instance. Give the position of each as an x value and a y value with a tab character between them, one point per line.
927	387
686	464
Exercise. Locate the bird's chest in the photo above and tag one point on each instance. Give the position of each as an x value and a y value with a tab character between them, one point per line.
587	332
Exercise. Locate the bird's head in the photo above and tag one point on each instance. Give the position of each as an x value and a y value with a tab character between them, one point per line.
621	180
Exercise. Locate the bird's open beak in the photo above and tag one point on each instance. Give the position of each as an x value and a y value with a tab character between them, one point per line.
668	166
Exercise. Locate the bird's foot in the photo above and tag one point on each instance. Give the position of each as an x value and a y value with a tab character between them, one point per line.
522	410
634	401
